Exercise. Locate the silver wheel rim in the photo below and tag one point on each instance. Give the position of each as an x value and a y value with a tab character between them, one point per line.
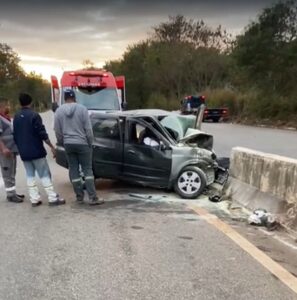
189	182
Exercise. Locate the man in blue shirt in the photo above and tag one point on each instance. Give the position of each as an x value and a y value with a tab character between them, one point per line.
29	135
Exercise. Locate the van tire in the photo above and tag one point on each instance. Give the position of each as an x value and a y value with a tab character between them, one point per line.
190	182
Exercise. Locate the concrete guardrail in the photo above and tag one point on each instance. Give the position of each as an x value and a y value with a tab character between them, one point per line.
262	180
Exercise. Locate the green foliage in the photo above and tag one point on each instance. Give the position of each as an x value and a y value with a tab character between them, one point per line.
265	58
13	81
197	33
159	101
223	98
253	75
9	64
181	57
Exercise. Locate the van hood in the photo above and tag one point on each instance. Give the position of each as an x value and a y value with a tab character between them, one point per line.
184	131
198	138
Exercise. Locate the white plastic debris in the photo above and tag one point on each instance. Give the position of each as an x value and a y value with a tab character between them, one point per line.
261	217
258	217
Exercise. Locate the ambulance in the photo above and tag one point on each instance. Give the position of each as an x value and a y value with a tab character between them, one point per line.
97	90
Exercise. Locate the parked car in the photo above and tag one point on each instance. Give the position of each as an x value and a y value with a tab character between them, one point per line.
152	148
216	114
190	105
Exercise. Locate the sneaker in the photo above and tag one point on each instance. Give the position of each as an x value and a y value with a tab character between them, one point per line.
59	201
21	196
14	199
79	200
96	201
35	204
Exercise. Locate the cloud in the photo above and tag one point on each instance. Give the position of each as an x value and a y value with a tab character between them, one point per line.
57	31
42	59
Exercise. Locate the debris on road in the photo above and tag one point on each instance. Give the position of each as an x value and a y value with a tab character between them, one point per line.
147	196
215	198
216	190
260	217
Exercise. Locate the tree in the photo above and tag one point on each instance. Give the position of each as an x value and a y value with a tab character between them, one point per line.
197	33
267	50
265	56
179	58
88	64
9	64
13	80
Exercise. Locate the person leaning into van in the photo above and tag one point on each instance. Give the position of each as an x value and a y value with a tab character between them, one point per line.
30	136
8	153
74	130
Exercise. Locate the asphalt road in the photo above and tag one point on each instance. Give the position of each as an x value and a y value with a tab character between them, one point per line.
275	141
128	248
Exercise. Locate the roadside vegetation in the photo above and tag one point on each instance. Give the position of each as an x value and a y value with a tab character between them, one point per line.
14	80
253	74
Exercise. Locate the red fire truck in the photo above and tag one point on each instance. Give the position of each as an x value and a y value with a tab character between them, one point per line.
97	90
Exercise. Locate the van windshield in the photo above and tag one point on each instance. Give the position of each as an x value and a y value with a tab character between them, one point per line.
98	98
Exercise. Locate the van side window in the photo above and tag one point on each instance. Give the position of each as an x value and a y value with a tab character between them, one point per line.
142	135
107	129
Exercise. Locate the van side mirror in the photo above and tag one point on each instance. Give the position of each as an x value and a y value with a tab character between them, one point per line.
124	106
55	106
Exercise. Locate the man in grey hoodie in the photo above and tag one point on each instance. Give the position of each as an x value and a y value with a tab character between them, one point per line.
74	130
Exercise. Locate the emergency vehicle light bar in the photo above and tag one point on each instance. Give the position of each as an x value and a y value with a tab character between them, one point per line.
85	74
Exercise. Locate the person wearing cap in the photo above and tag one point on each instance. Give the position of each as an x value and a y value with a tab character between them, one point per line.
30	136
8	153
74	130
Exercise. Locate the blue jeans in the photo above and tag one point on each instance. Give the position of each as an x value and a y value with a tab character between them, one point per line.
39	166
80	158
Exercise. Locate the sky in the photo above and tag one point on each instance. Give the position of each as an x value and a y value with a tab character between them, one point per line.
52	36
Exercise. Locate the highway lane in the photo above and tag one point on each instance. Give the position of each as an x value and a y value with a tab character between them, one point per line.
275	141
125	249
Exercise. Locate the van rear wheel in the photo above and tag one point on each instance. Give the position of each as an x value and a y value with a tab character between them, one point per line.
190	183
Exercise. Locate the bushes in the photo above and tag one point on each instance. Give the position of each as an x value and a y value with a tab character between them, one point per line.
32	84
253	105
159	101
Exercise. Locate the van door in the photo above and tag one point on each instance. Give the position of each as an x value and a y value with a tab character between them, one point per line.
107	147
147	155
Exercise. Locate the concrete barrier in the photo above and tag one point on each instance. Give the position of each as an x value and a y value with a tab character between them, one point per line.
262	180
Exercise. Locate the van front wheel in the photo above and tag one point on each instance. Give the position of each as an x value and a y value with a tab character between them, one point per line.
190	183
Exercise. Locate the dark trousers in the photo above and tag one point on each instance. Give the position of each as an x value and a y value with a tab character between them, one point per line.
80	156
8	169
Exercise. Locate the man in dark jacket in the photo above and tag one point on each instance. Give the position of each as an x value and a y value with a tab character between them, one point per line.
74	130
29	135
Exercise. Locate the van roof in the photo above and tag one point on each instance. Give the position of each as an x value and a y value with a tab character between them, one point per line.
92	77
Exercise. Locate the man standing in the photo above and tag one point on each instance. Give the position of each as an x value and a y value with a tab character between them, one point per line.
8	153
29	135
74	130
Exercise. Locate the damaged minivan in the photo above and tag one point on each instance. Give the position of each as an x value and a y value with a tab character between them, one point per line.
153	148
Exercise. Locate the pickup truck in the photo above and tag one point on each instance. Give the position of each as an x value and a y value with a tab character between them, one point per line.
216	114
190	105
